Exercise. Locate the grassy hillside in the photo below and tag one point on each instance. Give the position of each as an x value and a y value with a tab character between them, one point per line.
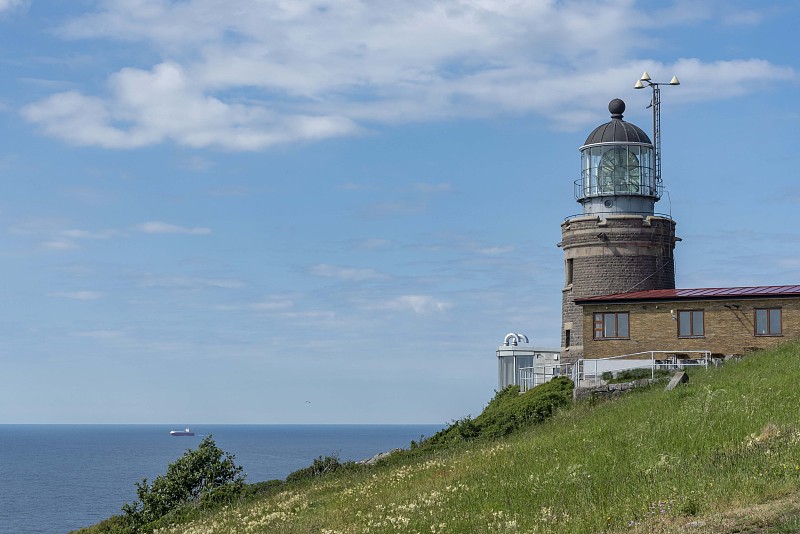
721	454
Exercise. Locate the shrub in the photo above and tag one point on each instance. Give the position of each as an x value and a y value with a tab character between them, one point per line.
203	476
533	406
320	467
261	488
507	412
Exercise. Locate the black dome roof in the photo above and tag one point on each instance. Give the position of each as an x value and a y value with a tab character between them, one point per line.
617	130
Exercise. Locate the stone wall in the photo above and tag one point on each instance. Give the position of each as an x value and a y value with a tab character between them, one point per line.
728	326
610	391
614	255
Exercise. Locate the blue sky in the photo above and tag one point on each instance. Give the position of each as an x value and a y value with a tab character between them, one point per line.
258	211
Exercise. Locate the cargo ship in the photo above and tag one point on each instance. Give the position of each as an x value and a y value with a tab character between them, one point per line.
186	432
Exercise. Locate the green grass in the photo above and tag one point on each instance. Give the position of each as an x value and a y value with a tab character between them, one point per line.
722	451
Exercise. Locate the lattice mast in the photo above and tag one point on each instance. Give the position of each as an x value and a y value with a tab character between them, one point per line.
655	103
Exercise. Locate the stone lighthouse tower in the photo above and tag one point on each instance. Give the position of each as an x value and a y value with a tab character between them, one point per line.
618	244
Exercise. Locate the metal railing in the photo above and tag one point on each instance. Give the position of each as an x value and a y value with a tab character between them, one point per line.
584	188
605	214
589	371
530	377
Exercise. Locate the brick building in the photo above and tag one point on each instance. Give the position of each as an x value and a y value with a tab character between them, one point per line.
725	321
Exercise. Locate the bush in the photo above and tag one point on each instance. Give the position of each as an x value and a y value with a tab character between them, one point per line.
533	406
202	477
324	465
507	412
262	488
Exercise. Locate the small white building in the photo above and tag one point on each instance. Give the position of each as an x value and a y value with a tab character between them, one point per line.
526	366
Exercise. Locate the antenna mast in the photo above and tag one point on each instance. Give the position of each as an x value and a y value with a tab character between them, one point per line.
655	103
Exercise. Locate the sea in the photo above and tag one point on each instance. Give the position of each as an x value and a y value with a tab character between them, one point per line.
58	478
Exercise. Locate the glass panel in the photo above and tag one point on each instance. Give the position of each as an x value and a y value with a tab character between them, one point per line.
586	173
618	169
598	326
622	324
697	323
507	373
775	321
761	322
684	323
524	361
648	178
500	382
608	331
605	172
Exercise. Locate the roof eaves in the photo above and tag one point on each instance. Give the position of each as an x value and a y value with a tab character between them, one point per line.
660	295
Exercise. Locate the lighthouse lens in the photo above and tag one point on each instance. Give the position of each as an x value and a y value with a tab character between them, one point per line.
619	171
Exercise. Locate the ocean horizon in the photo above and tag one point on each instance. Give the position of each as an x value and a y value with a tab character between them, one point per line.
55	478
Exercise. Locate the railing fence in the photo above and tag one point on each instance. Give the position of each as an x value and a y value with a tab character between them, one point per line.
589	371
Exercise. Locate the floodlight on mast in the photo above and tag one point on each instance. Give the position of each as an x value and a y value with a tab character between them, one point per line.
655	103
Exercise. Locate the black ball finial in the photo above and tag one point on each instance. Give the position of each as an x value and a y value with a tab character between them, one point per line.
617	108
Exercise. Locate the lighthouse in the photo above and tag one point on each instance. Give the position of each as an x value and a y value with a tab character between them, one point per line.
619	243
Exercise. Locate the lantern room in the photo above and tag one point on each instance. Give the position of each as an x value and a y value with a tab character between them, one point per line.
618	169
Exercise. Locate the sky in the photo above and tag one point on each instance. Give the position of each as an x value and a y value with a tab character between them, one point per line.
274	211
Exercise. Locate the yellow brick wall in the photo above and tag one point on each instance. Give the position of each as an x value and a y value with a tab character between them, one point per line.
728	330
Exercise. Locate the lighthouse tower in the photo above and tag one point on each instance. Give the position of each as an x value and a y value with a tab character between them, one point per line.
618	244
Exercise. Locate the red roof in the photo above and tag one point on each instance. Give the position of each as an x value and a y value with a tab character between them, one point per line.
699	294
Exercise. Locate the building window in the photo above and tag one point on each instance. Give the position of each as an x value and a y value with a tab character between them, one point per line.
611	325
691	323
568	272
566	337
768	322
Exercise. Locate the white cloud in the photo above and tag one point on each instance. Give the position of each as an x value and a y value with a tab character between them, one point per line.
149	107
373	243
77	295
271	305
496	250
158	227
59	244
191	282
87	234
346	273
100	334
433	188
304	71
36	226
420	304
394	208
197	163
268	304
8	5
744	18
56	238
